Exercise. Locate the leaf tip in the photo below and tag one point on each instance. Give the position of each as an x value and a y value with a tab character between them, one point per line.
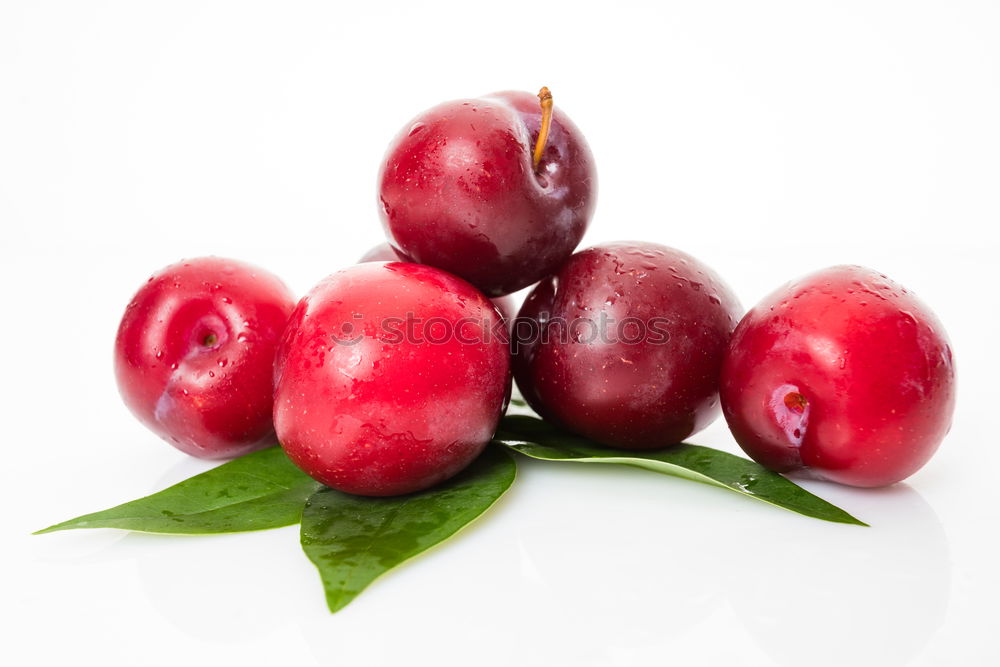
335	602
847	519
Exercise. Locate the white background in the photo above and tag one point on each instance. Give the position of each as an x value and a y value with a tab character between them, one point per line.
767	138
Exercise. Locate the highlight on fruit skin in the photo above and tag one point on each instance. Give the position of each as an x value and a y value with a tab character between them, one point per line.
383	252
843	374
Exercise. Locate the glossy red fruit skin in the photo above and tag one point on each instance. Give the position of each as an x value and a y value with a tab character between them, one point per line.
457	190
871	363
639	395
384	252
389	414
210	399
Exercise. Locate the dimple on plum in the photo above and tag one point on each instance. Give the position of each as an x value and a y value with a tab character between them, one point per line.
194	354
624	344
843	373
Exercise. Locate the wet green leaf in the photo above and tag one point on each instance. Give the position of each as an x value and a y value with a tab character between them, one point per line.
261	490
352	540
539	440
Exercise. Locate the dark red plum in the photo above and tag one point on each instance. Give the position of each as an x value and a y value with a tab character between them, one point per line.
629	344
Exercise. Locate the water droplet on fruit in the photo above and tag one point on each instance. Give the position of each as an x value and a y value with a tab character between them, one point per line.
226	299
416	128
159	354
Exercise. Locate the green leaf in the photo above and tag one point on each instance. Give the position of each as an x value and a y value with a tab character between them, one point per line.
352	540
539	440
261	490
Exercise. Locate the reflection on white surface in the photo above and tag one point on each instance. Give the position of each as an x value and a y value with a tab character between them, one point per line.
582	565
838	594
215	588
611	565
233	596
448	606
866	596
641	592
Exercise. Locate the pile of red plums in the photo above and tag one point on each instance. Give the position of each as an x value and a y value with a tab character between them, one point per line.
391	375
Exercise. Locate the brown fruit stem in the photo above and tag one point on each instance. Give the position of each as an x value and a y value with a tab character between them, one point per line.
545	98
